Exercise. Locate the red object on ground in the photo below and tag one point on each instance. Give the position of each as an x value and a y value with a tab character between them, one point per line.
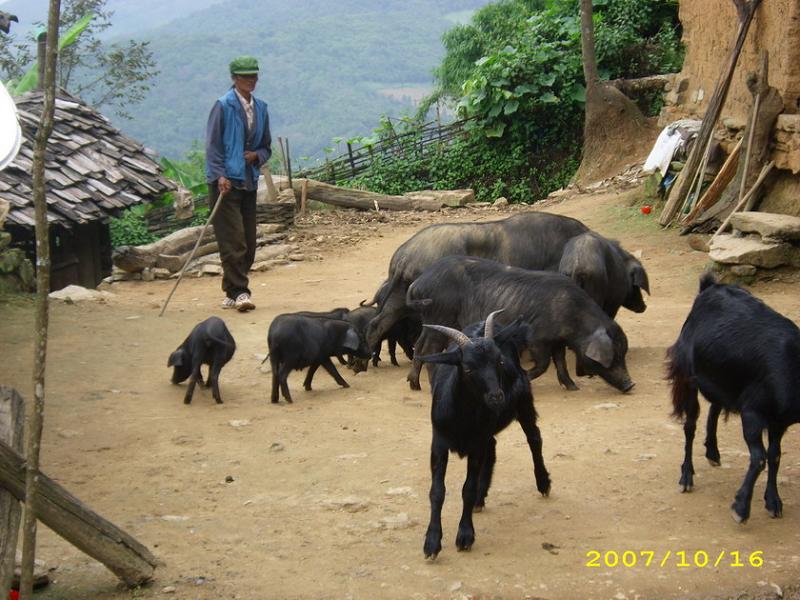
646	209
13	595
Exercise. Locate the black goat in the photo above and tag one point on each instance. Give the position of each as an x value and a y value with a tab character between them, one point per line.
478	388
745	358
297	341
209	343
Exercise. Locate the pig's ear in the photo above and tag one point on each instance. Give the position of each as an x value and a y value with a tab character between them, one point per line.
638	275
175	359
351	340
600	348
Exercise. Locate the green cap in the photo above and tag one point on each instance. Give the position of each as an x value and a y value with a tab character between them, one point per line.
244	65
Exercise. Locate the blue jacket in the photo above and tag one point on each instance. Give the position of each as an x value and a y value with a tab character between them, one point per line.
226	143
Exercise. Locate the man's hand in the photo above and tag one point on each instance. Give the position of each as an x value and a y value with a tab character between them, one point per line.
224	185
250	156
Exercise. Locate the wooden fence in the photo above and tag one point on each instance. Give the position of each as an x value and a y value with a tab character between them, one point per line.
414	144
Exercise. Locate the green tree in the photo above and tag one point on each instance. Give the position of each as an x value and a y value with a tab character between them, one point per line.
112	76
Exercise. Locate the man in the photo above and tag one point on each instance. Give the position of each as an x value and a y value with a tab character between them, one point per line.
238	142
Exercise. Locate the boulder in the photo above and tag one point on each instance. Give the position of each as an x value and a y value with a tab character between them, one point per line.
729	249
76	293
770	226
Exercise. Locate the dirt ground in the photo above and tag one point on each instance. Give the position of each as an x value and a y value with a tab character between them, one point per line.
327	498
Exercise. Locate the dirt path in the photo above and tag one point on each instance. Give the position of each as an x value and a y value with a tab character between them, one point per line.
329	495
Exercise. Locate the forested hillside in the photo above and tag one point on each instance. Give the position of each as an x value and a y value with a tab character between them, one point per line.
324	65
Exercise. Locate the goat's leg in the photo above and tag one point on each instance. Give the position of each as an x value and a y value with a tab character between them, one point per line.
771	498
392	345
416	365
689	428
485	479
433	536
712	450
469	494
376	354
328	366
527	420
560	361
309	376
753	427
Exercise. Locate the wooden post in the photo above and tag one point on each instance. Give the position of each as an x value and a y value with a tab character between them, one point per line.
746	11
272	193
12	425
303	197
288	163
352	163
126	557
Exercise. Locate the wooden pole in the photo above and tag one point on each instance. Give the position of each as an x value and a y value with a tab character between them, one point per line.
721	181
746	11
272	193
303	197
35	417
764	172
352	162
12	426
749	150
288	163
126	557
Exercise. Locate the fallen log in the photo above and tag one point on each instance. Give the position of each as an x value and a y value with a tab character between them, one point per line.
349	198
12	424
135	258
127	558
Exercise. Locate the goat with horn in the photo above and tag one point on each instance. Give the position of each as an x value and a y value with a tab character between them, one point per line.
478	388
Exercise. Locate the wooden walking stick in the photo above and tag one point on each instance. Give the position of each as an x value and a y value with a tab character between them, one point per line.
191	254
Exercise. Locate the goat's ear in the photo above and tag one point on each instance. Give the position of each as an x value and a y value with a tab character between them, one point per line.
451	357
600	348
638	275
351	340
176	358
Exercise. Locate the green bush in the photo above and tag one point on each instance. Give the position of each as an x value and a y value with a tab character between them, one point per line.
130	229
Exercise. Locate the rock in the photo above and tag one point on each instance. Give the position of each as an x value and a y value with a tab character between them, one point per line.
229	479
276	447
351	504
161	273
5	239
771	226
76	293
264	229
274	251
744	270
264	265
455	587
148	275
501	201
398	521
400	491
606	405
729	249
170	589
210	269
698	242
11	259
125	276
297	257
238	423
174	518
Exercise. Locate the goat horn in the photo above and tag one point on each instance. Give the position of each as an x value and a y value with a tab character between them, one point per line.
454	334
489	327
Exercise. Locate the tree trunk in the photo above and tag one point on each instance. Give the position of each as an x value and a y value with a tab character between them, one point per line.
127	558
680	189
12	425
345	197
135	258
615	132
33	436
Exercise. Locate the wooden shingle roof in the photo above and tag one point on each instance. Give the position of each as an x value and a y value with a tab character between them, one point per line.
92	170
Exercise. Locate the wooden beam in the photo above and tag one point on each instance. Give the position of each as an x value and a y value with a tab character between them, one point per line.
126	557
349	198
12	425
683	183
721	181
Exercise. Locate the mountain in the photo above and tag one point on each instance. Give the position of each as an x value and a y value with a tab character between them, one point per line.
328	68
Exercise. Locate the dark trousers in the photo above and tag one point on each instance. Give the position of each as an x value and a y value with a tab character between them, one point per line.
235	230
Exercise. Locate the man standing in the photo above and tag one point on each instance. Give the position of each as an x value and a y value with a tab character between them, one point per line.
238	142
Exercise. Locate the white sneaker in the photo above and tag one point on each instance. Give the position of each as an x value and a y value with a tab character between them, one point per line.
243	302
228	303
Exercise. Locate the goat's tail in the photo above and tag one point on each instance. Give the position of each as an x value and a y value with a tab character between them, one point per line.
266	358
684	391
